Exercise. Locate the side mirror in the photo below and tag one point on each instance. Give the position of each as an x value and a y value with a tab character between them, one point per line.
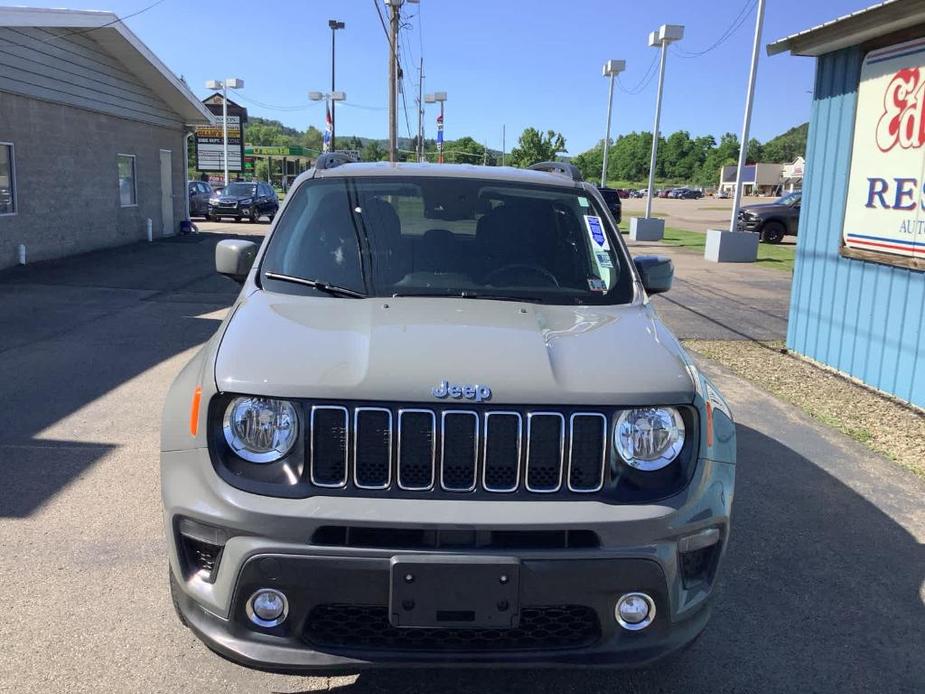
234	258
655	271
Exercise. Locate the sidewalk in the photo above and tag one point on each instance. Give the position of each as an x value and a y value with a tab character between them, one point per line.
720	301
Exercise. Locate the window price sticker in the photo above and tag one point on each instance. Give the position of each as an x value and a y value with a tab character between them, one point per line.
596	232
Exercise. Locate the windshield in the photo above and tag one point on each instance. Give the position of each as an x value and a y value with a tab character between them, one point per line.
387	236
240	189
790	198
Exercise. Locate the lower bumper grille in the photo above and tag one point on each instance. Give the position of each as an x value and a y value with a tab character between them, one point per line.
367	627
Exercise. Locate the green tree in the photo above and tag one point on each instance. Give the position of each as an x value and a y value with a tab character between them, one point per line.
533	147
373	151
463	150
590	162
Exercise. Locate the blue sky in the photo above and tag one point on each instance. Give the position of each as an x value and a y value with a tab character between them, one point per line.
515	62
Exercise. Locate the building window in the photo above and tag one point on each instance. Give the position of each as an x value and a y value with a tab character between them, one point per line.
7	179
127	196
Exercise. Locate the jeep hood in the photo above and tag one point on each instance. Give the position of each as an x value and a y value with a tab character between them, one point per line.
398	349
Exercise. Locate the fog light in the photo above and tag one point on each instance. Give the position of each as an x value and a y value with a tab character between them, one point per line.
267	607
634	611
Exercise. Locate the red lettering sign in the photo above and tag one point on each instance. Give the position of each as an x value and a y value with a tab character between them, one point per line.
902	120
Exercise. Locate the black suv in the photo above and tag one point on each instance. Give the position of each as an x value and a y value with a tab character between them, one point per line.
612	200
774	220
244	201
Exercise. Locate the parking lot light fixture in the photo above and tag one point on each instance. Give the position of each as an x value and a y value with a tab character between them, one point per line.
666	34
438	98
335	25
329	98
224	85
612	68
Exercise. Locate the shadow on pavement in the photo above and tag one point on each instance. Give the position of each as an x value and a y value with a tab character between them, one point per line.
820	591
72	330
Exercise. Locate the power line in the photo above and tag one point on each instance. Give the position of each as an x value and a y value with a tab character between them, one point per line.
644	82
733	27
117	20
272	107
382	22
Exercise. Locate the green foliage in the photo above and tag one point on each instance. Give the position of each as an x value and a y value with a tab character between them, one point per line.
784	148
683	159
534	146
373	151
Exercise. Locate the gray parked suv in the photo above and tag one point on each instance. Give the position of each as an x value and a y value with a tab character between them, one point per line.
442	423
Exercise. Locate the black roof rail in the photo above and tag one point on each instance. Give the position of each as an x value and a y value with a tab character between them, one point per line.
559	167
329	160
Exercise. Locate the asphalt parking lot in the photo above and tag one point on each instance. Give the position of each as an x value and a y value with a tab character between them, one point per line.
822	588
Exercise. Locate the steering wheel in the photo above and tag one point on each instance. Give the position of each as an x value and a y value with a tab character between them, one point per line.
529	267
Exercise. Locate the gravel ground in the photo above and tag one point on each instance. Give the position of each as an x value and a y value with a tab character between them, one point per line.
886	426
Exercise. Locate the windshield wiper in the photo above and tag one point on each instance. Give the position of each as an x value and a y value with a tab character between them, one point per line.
473	295
331	289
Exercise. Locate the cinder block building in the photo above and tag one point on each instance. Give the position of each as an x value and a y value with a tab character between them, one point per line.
93	135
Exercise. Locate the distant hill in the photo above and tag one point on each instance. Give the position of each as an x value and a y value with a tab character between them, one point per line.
786	147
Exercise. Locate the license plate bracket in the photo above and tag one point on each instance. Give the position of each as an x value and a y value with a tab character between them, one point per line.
455	592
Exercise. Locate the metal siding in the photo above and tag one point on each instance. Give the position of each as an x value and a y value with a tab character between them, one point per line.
861	318
72	69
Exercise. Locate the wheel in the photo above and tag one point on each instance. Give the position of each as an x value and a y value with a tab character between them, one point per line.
253	216
773	232
174	598
213	218
237	219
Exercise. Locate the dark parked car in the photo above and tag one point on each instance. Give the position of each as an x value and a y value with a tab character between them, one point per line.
774	220
612	200
244	201
688	194
199	194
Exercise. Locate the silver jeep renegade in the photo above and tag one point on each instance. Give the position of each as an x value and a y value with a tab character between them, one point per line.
442	424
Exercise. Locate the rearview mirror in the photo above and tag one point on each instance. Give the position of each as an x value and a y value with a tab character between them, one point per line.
655	271
234	258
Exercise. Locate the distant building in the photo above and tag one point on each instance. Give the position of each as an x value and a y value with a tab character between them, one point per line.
757	179
858	297
93	135
792	175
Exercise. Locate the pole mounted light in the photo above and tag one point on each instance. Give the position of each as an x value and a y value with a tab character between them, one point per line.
224	86
334	25
612	68
666	34
440	98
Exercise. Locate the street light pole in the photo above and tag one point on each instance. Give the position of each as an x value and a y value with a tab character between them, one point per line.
664	36
335	25
441	98
743	144
611	69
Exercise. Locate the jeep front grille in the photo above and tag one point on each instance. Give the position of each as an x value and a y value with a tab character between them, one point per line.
422	449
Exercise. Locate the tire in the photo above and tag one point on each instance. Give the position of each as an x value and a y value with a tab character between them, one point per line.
174	598
773	232
254	216
213	218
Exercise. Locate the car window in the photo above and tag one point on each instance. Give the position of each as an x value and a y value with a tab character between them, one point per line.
449	236
240	189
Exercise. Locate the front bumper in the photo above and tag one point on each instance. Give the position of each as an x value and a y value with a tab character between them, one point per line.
748	223
270	546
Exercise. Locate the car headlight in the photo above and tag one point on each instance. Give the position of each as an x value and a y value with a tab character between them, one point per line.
247	201
649	438
260	430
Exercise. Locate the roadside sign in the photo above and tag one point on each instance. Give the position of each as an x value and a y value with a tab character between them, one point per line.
884	212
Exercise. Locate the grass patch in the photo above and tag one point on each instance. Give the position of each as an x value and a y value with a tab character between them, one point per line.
778	257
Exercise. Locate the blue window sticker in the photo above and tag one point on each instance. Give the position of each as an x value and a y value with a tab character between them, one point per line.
603	259
596	232
596	284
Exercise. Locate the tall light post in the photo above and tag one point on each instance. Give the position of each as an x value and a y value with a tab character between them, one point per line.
329	98
438	97
612	68
225	85
747	119
335	25
666	34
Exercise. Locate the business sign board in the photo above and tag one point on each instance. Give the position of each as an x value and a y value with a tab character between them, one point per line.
210	147
885	214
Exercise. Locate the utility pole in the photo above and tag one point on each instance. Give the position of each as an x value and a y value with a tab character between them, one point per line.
743	145
485	153
394	18
420	146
